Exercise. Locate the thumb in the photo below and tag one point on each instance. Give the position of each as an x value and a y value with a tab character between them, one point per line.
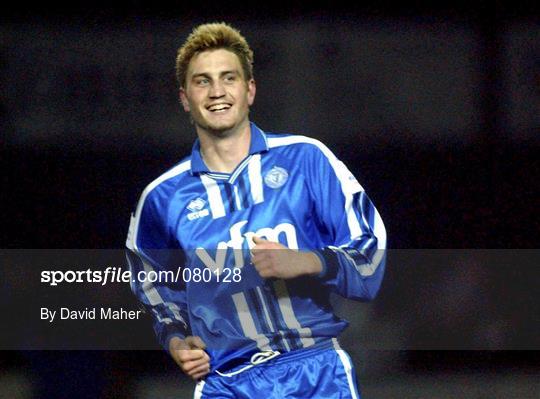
195	342
259	240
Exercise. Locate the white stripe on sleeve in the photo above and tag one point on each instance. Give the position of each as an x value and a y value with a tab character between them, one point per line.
131	241
349	185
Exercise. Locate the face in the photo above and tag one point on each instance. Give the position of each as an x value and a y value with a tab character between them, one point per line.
216	93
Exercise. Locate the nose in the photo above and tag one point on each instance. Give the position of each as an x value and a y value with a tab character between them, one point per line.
217	90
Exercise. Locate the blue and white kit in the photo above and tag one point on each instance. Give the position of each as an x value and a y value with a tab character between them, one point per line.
289	189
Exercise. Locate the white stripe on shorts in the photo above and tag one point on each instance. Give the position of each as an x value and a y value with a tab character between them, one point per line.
198	390
347	366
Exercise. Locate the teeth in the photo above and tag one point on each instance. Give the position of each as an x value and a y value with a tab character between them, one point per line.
219	107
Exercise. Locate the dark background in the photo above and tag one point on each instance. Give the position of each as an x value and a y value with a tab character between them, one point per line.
436	109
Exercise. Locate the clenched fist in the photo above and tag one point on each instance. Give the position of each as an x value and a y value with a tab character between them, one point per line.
189	354
273	260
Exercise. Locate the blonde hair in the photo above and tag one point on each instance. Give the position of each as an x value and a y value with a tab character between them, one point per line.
213	36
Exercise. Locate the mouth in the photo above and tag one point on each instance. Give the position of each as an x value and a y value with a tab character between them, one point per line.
219	108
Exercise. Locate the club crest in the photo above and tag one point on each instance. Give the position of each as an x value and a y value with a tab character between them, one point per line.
276	177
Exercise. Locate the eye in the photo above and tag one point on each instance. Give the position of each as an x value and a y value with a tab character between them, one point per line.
201	81
230	78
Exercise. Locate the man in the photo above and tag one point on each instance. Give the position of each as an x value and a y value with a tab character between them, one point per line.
268	226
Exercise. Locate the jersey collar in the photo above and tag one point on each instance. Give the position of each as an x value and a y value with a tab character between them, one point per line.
258	144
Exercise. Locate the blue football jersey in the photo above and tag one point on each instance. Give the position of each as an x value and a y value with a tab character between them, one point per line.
199	226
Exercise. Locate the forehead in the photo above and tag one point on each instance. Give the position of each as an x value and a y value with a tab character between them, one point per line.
214	61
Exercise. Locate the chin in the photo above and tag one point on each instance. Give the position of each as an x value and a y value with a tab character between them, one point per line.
221	128
217	129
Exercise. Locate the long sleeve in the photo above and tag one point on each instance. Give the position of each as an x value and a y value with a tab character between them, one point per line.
151	253
354	257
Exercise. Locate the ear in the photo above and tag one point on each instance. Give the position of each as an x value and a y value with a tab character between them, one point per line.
252	89
184	99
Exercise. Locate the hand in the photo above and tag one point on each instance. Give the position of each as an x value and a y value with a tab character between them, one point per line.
189	354
272	259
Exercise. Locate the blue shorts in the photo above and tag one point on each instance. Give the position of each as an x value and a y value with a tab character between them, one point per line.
320	372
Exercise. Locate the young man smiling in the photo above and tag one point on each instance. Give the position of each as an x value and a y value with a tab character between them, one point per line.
277	221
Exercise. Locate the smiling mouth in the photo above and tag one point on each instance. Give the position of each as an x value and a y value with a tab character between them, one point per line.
217	108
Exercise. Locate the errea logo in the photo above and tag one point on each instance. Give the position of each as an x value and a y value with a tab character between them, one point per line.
196	204
196	207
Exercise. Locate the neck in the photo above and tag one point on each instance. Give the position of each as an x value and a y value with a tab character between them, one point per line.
223	151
